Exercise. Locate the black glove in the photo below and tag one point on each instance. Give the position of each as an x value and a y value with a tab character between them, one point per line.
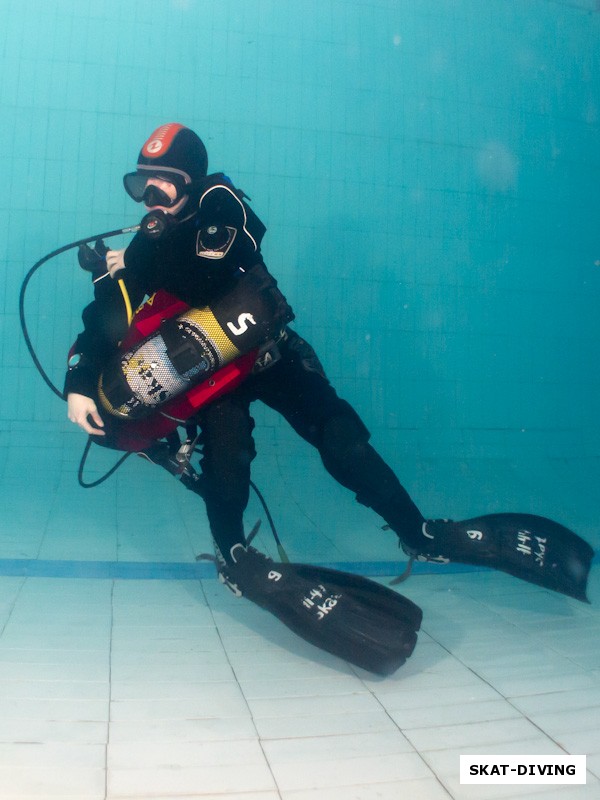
93	260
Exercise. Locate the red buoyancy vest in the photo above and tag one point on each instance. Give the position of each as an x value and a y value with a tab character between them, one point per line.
137	434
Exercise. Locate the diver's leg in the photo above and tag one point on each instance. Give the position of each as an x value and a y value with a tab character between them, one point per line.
530	547
227	452
298	389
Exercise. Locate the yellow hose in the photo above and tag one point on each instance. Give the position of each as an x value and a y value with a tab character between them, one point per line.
126	299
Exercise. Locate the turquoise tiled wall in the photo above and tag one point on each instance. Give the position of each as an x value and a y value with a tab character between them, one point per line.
429	171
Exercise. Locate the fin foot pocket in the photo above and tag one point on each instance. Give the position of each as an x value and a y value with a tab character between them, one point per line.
347	615
527	546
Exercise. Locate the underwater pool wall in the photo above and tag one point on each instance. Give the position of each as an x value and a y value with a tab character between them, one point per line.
429	173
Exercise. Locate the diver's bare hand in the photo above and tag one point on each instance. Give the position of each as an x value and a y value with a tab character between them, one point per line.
115	260
82	409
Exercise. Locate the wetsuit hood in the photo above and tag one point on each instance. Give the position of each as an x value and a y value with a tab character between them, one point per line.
173	153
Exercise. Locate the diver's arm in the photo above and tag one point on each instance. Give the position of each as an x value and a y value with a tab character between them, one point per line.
102	319
104	325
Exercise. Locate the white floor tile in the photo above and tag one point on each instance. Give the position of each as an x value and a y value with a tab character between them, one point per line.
309	750
55	690
138	783
49	731
414	676
96	671
589	791
205	667
563	722
319	706
222	703
518	685
593	759
185	691
191	691
427	789
183	730
463	714
435	697
552	702
337	771
446	765
29	755
259	689
62	638
580	740
291	666
50	782
62	710
329	725
476	733
267	795
149	755
64	657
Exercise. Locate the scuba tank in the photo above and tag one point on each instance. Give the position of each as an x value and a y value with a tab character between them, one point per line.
184	346
148	423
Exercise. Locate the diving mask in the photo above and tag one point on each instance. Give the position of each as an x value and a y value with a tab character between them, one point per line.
139	188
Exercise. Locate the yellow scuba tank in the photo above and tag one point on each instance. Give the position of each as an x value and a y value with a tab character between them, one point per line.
192	346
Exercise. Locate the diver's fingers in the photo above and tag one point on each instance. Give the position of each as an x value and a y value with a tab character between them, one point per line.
85	425
82	409
79	406
115	261
97	419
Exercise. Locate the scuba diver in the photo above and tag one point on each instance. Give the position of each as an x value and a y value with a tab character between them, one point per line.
197	254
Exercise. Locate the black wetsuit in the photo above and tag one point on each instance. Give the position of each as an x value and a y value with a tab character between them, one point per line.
295	386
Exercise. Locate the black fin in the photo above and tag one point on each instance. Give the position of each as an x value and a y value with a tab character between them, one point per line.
347	615
533	548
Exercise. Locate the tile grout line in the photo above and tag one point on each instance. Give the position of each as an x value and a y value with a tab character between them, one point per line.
523	714
301	510
110	660
258	737
13	605
414	749
191	570
510	702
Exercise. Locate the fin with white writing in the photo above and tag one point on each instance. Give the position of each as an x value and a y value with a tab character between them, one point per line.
347	615
527	546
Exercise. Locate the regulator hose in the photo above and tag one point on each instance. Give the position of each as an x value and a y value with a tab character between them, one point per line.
24	285
29	344
57	391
